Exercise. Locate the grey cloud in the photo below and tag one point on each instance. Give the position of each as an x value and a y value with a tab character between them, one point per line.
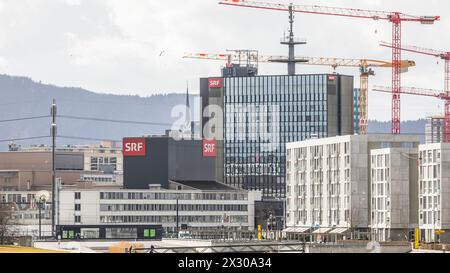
114	45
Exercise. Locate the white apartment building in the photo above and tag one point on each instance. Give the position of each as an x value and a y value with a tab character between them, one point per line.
434	192
198	209
328	182
393	193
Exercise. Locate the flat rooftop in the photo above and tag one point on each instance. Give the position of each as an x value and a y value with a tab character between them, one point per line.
206	185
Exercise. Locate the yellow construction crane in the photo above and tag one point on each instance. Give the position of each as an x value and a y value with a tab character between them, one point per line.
365	66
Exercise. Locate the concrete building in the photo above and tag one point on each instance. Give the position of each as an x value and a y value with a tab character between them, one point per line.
328	183
24	208
393	193
105	157
32	171
260	114
201	207
30	168
434	129
434	192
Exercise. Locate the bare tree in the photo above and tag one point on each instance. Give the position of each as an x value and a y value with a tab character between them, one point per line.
6	227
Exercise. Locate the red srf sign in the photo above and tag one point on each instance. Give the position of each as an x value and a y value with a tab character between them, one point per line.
215	83
331	78
134	147
209	148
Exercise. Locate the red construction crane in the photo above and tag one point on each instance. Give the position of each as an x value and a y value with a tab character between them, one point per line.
444	55
443	95
396	18
364	65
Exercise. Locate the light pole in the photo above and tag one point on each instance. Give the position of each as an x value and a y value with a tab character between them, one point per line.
53	134
177	220
40	204
41	198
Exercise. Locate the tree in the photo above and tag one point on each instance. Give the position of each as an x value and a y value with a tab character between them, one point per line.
6	227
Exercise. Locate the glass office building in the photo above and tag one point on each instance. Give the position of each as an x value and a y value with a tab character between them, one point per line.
357	115
263	113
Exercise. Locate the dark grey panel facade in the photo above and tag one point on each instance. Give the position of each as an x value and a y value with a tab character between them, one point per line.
186	162
69	161
167	159
141	171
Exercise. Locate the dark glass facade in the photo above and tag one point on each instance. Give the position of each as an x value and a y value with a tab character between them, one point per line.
263	113
356	103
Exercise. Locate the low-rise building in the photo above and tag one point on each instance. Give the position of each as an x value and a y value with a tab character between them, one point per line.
32	171
30	168
199	205
393	193
328	179
106	156
24	213
434	192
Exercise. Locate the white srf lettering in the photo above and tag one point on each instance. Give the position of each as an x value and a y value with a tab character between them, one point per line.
134	147
209	148
214	83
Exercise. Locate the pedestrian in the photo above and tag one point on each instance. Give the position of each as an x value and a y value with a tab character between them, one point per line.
152	249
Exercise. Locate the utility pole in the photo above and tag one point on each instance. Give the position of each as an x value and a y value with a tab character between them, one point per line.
53	131
177	230
40	219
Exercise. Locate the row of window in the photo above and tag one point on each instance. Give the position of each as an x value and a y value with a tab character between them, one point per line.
98	179
171	196
212	219
331	217
430	217
97	162
430	187
430	156
171	207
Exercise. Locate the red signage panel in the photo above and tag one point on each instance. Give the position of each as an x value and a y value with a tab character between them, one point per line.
209	148
134	147
331	78
215	83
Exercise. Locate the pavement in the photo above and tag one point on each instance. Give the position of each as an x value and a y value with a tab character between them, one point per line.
417	251
103	246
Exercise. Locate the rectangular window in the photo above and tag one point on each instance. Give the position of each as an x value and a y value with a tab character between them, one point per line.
77	219
121	233
77	195
77	207
149	233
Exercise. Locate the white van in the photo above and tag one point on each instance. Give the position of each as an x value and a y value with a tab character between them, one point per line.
186	235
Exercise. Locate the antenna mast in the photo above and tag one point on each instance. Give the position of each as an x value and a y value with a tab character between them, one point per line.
291	42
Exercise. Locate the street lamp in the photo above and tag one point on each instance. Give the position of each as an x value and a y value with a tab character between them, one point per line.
41	199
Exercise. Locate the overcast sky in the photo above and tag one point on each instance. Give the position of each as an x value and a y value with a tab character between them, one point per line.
135	46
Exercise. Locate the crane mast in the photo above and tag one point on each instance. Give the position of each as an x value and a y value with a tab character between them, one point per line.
446	94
